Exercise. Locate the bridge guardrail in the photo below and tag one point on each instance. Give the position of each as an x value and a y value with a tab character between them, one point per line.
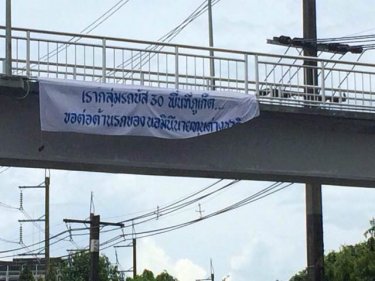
276	79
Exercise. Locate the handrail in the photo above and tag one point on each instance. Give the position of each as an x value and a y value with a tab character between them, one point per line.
172	45
275	79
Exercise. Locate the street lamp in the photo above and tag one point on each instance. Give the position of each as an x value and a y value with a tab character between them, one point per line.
8	38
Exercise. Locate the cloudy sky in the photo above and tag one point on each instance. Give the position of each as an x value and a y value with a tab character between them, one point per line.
264	240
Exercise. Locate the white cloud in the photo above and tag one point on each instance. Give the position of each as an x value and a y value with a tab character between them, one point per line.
186	270
240	260
154	258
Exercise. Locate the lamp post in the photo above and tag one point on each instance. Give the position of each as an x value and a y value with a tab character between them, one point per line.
211	43
8	38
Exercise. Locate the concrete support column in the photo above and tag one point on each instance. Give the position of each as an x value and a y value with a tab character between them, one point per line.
314	232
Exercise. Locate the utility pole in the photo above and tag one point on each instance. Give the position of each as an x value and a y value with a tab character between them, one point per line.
94	247
310	33
95	224
133	244
46	226
134	258
8	38
46	219
314	217
211	43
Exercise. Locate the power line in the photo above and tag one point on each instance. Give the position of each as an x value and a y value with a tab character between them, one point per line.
169	210
152	213
168	37
40	242
273	188
96	23
229	208
8	206
110	12
102	18
5	169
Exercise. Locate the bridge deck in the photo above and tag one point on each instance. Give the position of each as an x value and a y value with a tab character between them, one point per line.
327	137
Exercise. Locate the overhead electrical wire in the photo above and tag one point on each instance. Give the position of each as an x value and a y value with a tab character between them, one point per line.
142	234
41	242
110	12
8	206
88	29
179	205
173	208
152	211
176	204
273	188
4	169
246	201
166	38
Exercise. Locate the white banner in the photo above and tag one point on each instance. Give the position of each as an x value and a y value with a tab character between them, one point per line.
117	109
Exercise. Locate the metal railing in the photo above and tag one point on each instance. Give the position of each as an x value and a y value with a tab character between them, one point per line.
276	79
12	272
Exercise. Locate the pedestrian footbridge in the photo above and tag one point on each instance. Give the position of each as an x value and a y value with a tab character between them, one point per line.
324	132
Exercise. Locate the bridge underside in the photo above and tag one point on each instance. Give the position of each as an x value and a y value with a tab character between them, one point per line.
282	144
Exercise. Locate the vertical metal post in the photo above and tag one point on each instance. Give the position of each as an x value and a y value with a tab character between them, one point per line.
134	258
27	53
142	78
176	68
323	82
8	38
104	61
314	216
7	274
246	74
94	247
211	44
46	229
256	63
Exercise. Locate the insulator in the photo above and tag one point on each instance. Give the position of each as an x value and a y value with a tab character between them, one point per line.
21	234
356	49
285	40
21	201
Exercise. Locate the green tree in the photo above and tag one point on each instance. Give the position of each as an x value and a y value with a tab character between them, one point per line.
26	274
147	275
77	268
53	271
164	276
350	263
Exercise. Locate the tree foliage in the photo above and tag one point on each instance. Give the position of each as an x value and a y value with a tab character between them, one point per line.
77	268
147	275
26	274
350	263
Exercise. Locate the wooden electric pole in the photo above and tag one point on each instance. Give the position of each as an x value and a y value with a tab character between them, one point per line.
314	217
46	226
134	258
94	243
94	247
